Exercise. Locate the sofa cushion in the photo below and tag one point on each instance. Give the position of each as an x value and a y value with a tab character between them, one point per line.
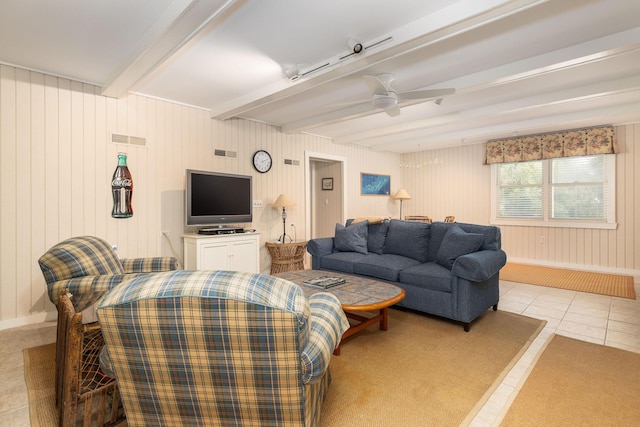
407	238
377	232
455	243
377	237
429	275
352	238
491	234
385	267
341	261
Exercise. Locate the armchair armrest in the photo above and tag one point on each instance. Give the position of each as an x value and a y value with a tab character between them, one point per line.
479	266
149	265
86	290
320	247
328	323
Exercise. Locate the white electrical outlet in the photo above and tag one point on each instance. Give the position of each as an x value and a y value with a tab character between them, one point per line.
257	204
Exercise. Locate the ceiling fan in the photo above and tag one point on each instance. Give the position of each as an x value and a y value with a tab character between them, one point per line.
386	98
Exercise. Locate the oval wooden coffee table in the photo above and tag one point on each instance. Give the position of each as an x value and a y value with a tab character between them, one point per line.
357	296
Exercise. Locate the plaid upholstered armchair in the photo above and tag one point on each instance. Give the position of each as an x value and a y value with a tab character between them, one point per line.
219	348
88	267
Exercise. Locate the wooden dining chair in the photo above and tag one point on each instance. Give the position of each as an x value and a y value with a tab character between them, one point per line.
417	218
450	219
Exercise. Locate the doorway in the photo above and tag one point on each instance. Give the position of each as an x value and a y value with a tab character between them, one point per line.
325	200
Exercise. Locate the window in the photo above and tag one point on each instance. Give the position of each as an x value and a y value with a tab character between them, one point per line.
563	192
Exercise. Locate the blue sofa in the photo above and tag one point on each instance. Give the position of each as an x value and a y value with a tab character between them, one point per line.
447	269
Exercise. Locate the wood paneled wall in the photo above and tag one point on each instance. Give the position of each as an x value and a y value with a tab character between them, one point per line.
447	182
454	181
56	163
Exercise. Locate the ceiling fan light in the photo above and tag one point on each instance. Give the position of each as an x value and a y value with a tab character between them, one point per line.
385	101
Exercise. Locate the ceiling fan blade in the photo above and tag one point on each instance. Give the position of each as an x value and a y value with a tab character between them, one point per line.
379	85
425	94
393	111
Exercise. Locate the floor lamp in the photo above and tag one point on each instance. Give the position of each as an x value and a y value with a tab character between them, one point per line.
402	195
283	201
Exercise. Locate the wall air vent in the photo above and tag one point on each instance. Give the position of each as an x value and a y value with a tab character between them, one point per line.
224	153
292	162
135	140
119	139
126	139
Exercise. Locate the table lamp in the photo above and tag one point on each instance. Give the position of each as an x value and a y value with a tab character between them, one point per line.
283	201
402	195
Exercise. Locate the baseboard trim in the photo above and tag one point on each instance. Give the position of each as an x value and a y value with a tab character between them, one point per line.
32	319
583	267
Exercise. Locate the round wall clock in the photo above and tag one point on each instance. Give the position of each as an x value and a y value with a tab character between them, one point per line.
262	161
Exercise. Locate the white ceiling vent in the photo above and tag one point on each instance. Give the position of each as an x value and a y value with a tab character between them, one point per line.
126	139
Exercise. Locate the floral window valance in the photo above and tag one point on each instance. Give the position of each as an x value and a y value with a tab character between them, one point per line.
579	142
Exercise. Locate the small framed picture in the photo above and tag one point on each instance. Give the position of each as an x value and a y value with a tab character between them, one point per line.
375	185
327	183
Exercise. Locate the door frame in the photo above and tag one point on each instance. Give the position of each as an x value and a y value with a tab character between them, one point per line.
310	156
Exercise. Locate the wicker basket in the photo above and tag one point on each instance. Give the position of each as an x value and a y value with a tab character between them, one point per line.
287	256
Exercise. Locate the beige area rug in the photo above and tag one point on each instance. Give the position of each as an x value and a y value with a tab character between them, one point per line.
575	280
579	384
39	374
422	371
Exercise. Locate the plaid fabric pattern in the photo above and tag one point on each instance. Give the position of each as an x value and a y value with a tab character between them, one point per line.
149	265
326	332
89	267
78	257
216	348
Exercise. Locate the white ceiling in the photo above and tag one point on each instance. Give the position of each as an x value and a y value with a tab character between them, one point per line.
518	66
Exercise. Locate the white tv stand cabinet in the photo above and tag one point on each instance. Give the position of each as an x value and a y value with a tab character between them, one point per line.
236	252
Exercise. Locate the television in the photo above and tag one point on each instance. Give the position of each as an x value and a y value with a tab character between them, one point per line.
215	199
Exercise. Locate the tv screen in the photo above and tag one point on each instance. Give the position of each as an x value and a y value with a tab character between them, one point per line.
214	198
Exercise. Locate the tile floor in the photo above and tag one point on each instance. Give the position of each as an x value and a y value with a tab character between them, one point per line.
595	318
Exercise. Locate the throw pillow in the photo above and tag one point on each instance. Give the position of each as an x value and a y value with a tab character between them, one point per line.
456	243
376	237
352	238
407	238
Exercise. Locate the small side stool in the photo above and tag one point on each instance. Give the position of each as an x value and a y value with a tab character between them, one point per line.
286	256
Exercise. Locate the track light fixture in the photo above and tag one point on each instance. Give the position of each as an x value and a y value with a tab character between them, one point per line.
355	46
292	73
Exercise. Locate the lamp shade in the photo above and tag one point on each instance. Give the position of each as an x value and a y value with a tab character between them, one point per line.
283	201
402	195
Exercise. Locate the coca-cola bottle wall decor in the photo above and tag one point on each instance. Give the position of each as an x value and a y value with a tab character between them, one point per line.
122	189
